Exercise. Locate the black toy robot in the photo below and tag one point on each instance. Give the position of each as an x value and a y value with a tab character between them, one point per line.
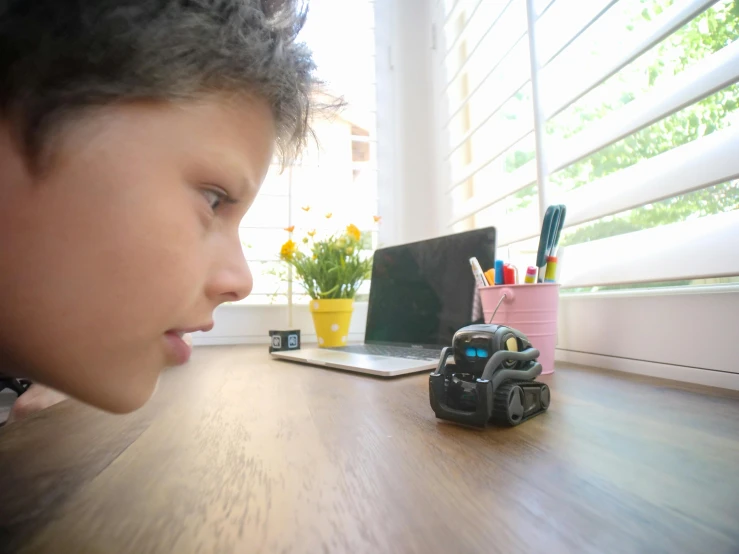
492	379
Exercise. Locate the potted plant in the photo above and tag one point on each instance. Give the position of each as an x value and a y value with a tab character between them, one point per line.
331	270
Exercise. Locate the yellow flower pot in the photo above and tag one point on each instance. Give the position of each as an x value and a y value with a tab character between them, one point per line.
331	318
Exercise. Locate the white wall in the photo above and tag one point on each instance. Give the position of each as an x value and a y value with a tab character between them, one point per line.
688	334
407	140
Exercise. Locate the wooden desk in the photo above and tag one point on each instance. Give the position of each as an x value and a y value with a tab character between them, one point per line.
238	453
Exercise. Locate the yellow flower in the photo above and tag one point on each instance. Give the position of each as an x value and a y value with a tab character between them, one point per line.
290	229
288	250
315	257
349	251
305	240
354	232
312	233
305	208
377	218
328	215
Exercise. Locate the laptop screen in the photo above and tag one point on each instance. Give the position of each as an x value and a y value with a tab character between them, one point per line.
421	293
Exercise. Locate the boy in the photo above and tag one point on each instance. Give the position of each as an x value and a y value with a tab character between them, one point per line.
134	136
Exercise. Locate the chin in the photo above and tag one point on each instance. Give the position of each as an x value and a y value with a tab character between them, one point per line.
119	396
125	403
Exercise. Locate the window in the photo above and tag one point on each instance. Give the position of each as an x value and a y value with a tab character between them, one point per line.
630	120
337	174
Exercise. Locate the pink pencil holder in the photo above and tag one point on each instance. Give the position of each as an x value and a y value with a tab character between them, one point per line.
532	309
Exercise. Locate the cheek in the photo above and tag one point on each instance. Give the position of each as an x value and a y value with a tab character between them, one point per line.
160	262
128	256
142	262
87	292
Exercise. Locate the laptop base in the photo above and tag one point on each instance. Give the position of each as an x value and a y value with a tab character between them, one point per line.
380	366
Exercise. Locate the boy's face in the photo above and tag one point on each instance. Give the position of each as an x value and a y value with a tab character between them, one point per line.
125	241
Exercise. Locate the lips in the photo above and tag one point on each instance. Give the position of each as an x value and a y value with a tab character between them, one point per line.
203	328
179	351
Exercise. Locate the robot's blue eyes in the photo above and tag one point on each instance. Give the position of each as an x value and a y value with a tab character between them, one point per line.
482	353
476	352
471	352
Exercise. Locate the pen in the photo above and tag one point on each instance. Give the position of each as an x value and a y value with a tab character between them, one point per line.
477	272
510	274
490	276
499	276
551	273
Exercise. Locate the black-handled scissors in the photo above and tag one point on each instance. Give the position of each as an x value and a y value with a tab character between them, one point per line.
551	229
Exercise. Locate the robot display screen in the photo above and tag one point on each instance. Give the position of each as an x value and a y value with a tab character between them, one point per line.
423	292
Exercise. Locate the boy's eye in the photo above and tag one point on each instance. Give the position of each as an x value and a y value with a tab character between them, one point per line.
214	198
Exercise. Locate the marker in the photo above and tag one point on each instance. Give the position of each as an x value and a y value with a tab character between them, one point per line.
551	274
490	275
477	272
531	275
509	274
499	277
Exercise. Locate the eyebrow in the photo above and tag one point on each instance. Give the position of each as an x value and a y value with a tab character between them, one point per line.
248	184
233	173
249	189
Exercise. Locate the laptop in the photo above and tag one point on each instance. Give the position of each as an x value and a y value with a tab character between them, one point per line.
421	293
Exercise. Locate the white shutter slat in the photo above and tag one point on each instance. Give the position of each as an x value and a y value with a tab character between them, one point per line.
710	75
507	184
463	31
513	83
503	142
518	226
704	247
500	97
482	38
706	161
631	48
588	14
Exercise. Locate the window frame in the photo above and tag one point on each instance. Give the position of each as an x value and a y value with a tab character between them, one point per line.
250	323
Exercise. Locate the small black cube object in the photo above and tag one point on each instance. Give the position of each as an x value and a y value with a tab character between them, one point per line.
284	340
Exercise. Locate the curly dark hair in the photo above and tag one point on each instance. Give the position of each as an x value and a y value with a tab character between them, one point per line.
61	56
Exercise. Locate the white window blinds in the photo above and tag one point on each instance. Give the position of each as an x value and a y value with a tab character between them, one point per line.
630	120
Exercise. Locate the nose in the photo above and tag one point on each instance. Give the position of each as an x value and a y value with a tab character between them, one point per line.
231	280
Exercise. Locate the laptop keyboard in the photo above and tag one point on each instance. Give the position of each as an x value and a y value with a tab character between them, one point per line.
392	351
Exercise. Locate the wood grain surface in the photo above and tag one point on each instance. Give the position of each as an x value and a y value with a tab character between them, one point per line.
239	453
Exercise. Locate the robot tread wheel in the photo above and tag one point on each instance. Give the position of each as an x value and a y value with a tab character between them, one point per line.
517	401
